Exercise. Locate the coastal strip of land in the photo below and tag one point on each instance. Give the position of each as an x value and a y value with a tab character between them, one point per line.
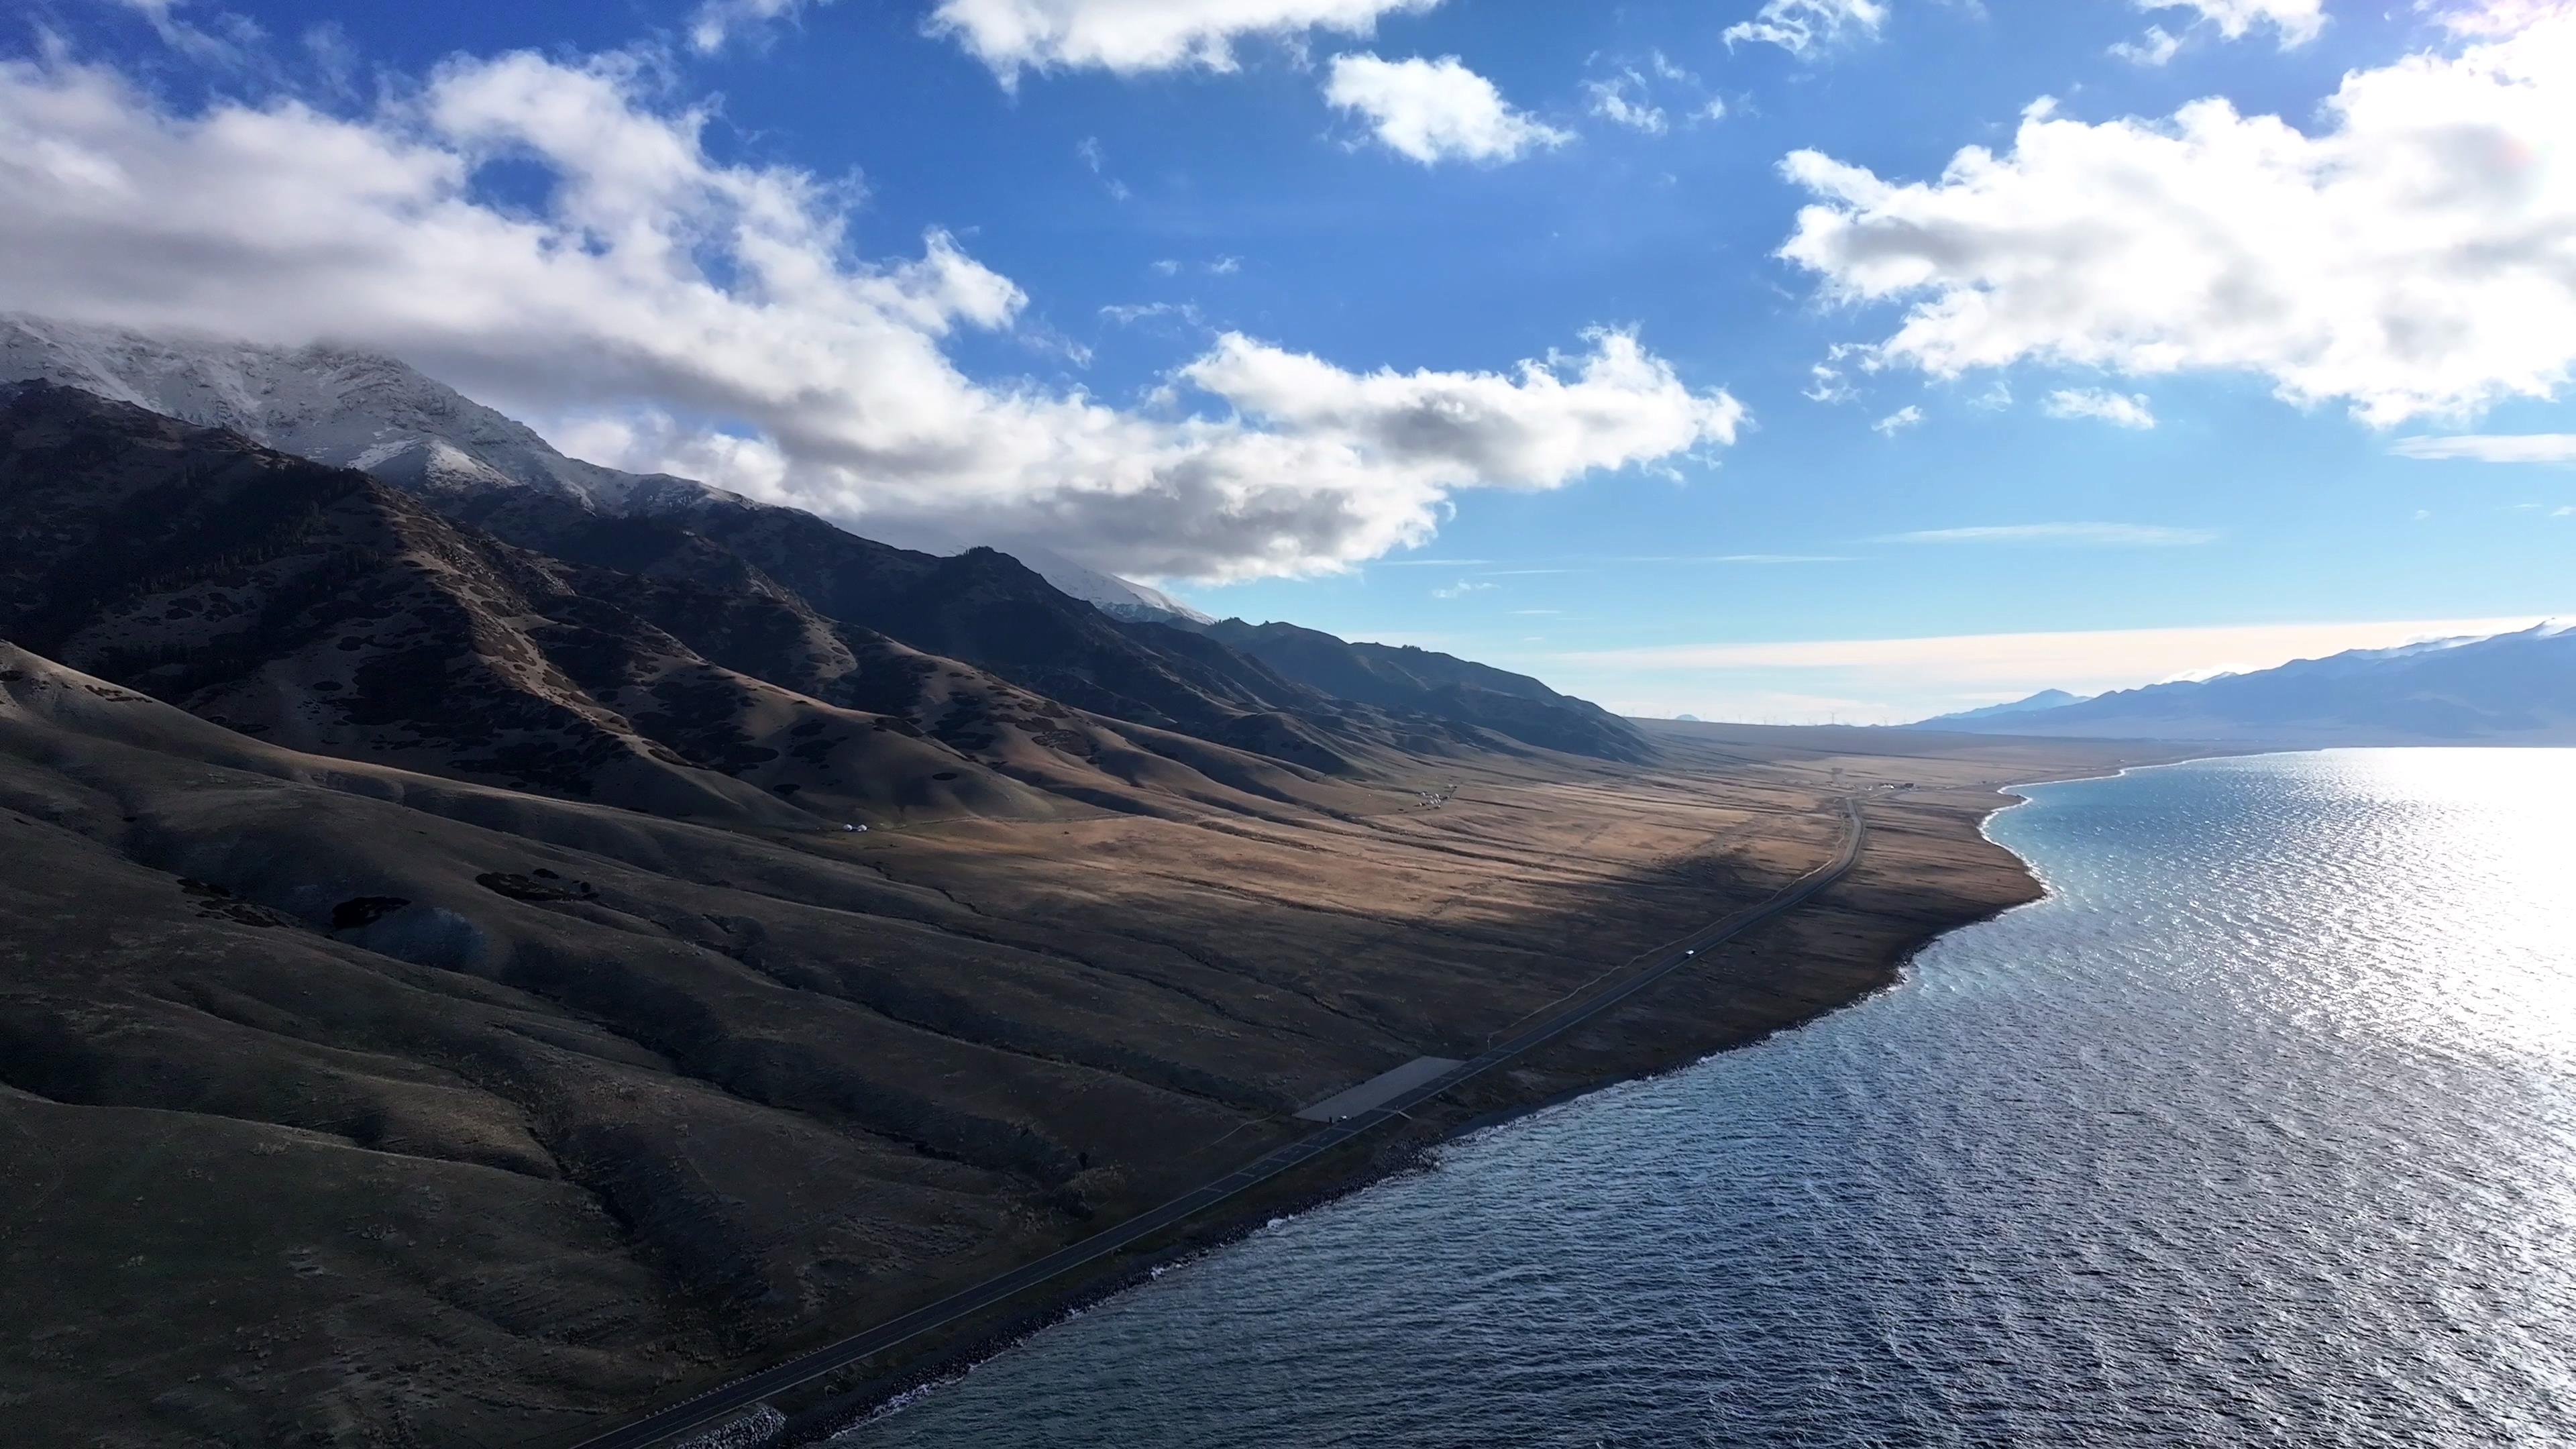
703	1408
351	1105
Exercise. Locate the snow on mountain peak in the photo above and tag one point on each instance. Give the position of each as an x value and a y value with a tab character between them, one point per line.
367	411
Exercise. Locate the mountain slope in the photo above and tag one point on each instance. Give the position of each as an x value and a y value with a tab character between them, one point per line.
363	410
1119	598
1441	685
317	608
2517	688
980	607
473	463
2045	699
353	409
435	1109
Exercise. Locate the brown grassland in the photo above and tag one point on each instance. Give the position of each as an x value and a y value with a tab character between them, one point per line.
345	1105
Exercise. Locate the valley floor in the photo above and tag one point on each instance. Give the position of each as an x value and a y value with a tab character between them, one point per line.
351	1106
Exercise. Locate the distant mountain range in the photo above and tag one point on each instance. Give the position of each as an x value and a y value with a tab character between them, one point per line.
2517	688
461	598
2045	699
1443	686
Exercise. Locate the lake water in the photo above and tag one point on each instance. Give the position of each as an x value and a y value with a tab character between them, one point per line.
2260	1130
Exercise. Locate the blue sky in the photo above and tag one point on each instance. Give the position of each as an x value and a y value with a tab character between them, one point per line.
1237	293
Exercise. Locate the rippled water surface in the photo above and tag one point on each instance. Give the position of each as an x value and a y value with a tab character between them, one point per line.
2261	1130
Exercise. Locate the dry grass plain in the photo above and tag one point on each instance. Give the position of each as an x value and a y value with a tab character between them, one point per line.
349	1106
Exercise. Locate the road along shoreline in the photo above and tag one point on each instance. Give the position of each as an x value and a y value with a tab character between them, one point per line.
719	1403
2006	882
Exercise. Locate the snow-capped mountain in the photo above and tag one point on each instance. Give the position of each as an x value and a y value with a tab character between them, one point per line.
2517	688
351	409
367	411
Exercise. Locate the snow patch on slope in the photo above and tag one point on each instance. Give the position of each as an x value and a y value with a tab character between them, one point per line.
366	411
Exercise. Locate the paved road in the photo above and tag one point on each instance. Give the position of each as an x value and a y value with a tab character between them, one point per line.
744	1392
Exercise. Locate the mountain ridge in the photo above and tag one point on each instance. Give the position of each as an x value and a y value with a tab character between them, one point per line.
2044	699
2512	688
365	410
319	608
979	606
1407	677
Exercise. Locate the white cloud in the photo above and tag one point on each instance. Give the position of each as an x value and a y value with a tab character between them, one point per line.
1093	157
1131	37
2126	410
1826	383
2491	447
226	40
2111	535
1805	27
2296	21
663	308
1613	101
2488	17
1434	110
1898	421
2415	256
1546	422
1461	589
1129	314
718	21
2154	48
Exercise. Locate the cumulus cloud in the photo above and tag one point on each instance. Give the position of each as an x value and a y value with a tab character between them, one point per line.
2415	255
2488	17
1826	383
2491	447
2126	410
718	21
1534	427
1129	314
1908	416
2154	48
1622	101
1805	27
1434	110
656	307
1130	37
2296	21
225	39
1645	93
